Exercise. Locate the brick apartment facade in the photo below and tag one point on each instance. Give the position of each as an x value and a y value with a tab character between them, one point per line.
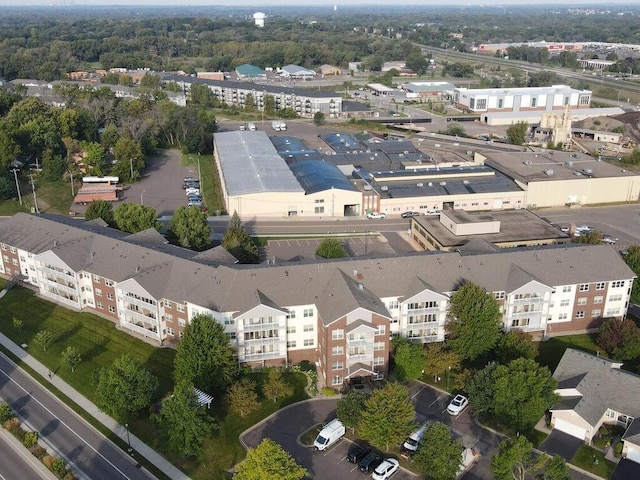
337	314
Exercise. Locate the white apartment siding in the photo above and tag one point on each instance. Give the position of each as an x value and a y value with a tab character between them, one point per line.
56	280
302	327
85	285
360	346
261	334
616	301
138	311
27	266
562	302
393	305
423	316
527	307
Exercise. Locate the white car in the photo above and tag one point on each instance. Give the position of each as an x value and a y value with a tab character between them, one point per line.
387	468
457	405
372	215
608	240
432	212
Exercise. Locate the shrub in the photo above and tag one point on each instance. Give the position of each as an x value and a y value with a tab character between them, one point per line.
19	434
12	424
618	450
38	452
47	461
5	412
59	468
328	392
30	439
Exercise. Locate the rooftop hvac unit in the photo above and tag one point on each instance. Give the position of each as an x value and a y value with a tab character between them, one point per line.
465	182
548	173
569	163
384	188
419	184
443	184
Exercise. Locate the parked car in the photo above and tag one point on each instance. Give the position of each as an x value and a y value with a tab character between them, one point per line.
357	452
432	212
412	443
192	191
330	433
372	215
457	405
410	214
369	462
386	469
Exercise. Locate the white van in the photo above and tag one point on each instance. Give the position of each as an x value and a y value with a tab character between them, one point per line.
412	443
330	433
252	127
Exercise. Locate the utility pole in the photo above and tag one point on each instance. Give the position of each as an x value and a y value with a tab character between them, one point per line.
73	194
33	188
15	174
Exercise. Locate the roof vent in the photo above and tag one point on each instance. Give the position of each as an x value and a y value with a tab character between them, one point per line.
442	184
138	269
55	243
430	184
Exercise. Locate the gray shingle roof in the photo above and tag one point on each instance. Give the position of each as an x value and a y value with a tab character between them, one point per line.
600	382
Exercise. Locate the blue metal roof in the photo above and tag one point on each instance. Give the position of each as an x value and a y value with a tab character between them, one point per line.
317	175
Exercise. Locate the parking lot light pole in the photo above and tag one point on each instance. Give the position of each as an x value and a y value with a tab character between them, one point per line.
448	376
142	198
128	438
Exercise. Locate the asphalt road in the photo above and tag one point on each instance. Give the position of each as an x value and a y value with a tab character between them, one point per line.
14	465
89	451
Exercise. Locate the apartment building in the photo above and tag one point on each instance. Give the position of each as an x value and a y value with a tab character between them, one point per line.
338	314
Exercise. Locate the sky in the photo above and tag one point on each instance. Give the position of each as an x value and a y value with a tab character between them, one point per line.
328	3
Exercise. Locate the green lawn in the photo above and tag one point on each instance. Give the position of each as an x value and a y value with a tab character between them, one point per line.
593	461
53	197
210	186
550	351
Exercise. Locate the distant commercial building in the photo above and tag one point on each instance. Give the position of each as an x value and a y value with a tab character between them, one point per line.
296	71
250	72
429	90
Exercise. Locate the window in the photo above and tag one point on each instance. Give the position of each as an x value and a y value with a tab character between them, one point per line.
291	329
600	285
617	284
563	316
566	289
584	100
96	279
181	322
15	262
584	287
112	309
565	302
613	312
166	303
481	103
339	365
108	283
499	295
180	307
520	322
534	102
615	298
582	301
393	305
337	380
377	361
381	330
109	296
4	247
598	299
596	313
170	332
580	314
337	334
500	103
292	314
229	321
291	344
181	334
308	312
168	318
308	328
13	249
378	346
337	350
100	305
319	206
308	342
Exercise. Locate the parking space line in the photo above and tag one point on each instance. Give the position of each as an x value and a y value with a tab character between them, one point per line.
416	394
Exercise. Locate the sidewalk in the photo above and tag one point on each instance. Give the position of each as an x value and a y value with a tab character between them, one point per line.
138	445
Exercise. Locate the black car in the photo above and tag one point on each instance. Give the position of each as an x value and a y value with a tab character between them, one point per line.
357	453
369	462
410	214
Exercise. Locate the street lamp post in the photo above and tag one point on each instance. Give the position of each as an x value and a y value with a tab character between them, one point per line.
142	198
448	376
15	174
128	438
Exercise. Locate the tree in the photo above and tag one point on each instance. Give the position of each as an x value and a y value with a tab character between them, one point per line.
439	456
515	460
439	359
7	186
204	356
620	339
516	394
275	385
381	427
237	241
331	248
475	324
409	359
71	357
129	159
242	397
17	324
554	468
190	227
269	461
351	406
515	344
318	118
454	129
183	422
124	388
100	209
134	218
591	238
632	259
44	339
517	133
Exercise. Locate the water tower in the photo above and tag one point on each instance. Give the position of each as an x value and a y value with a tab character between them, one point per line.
259	17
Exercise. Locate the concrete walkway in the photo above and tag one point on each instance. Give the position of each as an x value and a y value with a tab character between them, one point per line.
138	445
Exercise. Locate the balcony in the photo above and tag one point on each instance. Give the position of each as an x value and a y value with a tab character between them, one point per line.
259	356
138	317
56	272
141	329
360	358
60	285
260	341
359	341
424	311
520	301
151	304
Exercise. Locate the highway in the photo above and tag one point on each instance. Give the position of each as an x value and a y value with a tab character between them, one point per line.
92	455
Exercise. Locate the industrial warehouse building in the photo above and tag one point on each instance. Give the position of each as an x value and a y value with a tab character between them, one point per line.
337	314
280	176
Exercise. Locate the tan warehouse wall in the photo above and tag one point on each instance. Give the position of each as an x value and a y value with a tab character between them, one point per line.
587	191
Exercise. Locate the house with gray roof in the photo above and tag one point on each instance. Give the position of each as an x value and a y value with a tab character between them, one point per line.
594	391
338	314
